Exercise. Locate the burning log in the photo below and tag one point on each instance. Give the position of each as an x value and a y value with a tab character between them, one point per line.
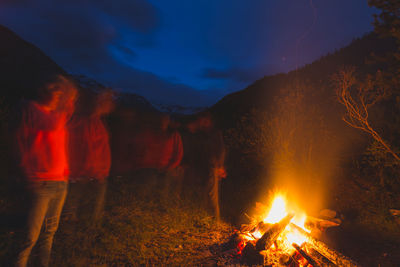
305	255
262	227
321	260
286	260
272	234
332	255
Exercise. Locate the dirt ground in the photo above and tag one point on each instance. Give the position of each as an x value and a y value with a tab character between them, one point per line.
143	226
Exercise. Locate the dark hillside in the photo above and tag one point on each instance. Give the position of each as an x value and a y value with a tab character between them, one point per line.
23	66
261	93
295	113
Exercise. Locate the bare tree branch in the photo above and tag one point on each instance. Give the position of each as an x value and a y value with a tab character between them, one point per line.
357	108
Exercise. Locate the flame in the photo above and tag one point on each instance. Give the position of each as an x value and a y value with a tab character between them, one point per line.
300	222
277	211
257	234
293	235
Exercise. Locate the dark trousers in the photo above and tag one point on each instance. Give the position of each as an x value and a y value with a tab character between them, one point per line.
47	200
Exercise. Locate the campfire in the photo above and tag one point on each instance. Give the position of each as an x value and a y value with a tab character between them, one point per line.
285	236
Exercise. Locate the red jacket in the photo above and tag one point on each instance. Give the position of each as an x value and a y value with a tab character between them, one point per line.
42	142
157	150
89	148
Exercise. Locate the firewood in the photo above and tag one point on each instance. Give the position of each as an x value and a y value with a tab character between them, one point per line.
268	238
332	255
233	241
261	227
321	260
251	256
286	260
305	255
323	223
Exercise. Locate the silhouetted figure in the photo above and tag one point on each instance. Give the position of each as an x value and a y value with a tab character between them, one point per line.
204	160
89	157
42	140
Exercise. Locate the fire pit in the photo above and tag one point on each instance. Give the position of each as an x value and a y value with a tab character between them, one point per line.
284	237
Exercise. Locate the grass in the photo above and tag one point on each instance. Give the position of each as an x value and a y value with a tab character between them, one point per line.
143	225
139	227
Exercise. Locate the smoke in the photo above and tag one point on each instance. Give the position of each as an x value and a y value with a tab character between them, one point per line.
303	144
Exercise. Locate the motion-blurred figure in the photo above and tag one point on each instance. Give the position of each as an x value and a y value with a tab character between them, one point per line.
157	154
124	124
42	140
158	147
204	159
89	157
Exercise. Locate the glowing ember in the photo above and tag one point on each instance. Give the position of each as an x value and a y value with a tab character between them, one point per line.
257	234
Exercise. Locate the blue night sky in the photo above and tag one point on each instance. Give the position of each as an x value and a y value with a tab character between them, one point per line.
185	52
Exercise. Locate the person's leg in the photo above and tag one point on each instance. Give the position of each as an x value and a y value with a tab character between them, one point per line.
166	181
172	190
72	201
178	182
86	195
213	193
40	200
51	221
100	188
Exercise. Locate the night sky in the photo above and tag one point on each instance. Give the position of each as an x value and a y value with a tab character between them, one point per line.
185	52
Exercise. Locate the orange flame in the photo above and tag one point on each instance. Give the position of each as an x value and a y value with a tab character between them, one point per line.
278	211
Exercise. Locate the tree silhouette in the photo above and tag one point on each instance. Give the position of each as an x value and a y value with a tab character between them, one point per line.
358	97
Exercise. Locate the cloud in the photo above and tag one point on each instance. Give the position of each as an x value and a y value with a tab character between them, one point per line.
87	38
141	15
233	74
14	2
138	14
83	34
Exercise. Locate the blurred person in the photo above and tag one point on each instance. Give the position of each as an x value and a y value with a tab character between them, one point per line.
172	172
89	157
157	147
204	160
124	124
42	139
157	155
